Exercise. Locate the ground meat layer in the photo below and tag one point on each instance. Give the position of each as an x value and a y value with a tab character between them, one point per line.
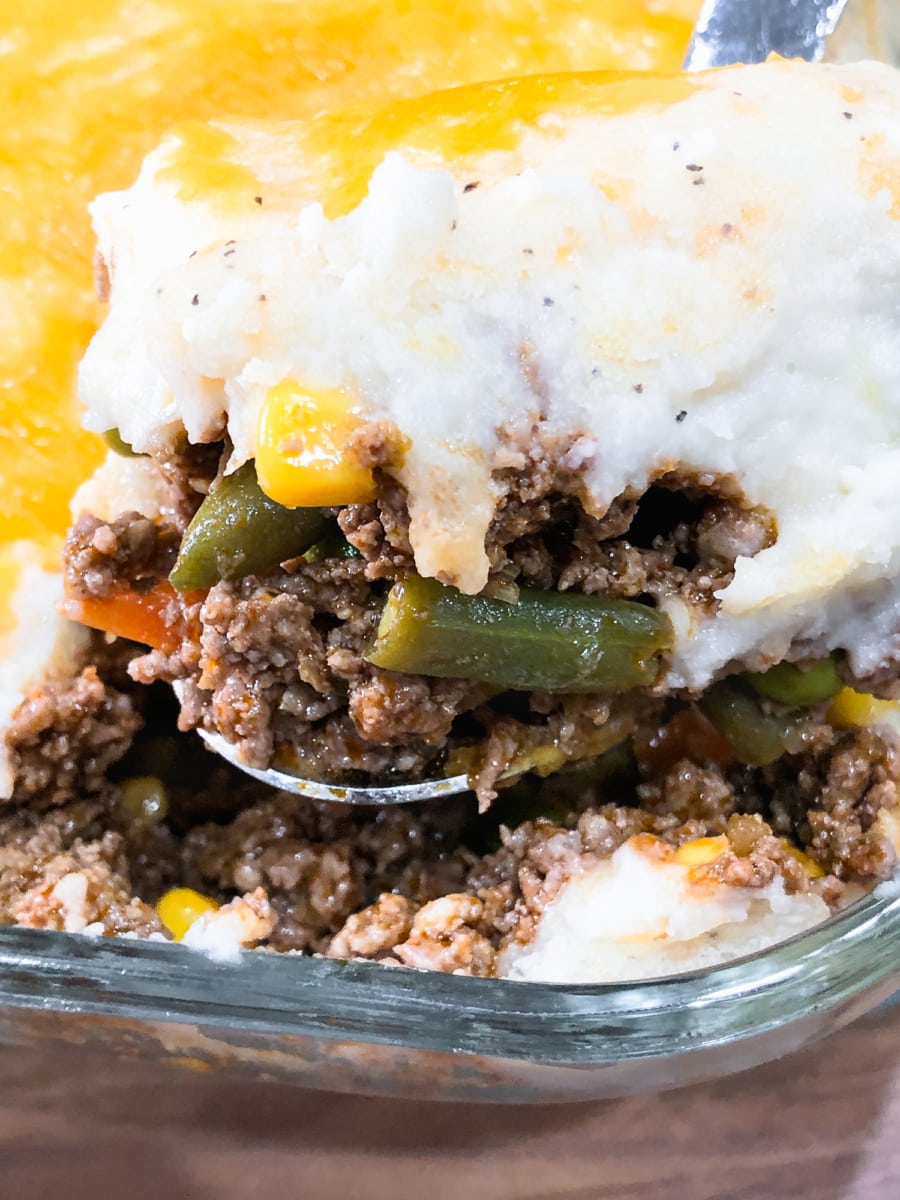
68	870
436	887
276	664
66	733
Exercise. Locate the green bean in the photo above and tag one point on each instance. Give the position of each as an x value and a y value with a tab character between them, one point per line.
554	641
239	531
118	445
332	544
757	738
789	684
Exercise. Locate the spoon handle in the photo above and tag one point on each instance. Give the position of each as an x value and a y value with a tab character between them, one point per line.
748	31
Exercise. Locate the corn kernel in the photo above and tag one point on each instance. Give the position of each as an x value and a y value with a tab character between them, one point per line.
700	851
809	865
179	908
850	708
301	449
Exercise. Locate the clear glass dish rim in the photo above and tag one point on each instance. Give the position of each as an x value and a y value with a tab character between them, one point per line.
855	953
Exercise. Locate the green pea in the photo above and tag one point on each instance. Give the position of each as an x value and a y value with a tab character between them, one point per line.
144	800
788	683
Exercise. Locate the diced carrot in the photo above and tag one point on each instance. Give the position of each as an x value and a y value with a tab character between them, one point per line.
155	618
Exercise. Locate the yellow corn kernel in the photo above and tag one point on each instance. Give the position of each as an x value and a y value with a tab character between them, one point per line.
180	907
700	851
809	865
850	708
301	449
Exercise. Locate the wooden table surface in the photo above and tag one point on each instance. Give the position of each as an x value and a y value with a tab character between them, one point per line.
824	1125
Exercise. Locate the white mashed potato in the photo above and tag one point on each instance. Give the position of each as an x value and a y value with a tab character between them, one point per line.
703	278
638	914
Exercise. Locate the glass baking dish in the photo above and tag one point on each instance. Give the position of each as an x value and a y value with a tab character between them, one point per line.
363	1028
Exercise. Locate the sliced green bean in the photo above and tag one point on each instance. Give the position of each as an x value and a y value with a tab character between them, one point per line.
554	641
118	445
239	531
757	738
789	684
332	545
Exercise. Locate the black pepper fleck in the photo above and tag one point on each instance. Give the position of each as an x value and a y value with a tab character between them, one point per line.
595	371
849	116
548	302
196	300
676	145
727	229
639	387
257	199
470	187
192	253
693	167
262	297
229	252
527	250
679	416
698	181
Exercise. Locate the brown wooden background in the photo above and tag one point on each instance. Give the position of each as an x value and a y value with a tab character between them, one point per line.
824	1125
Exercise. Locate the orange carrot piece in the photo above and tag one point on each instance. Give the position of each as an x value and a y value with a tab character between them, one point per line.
155	618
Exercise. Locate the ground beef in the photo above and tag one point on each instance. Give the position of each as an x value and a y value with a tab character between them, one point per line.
445	936
408	886
64	737
278	661
101	557
376	929
829	800
380	532
321	863
68	871
190	470
276	664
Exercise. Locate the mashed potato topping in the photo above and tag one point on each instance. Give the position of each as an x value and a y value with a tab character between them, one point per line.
628	277
641	913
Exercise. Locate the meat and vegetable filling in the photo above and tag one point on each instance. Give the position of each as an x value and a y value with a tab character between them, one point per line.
169	833
343	661
307	637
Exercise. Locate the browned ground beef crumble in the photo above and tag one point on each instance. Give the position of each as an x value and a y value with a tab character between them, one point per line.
278	660
68	732
433	886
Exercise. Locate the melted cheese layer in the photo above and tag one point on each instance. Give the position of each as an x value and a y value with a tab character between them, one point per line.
632	276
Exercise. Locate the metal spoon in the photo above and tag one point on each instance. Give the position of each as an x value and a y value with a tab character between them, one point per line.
727	31
748	31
